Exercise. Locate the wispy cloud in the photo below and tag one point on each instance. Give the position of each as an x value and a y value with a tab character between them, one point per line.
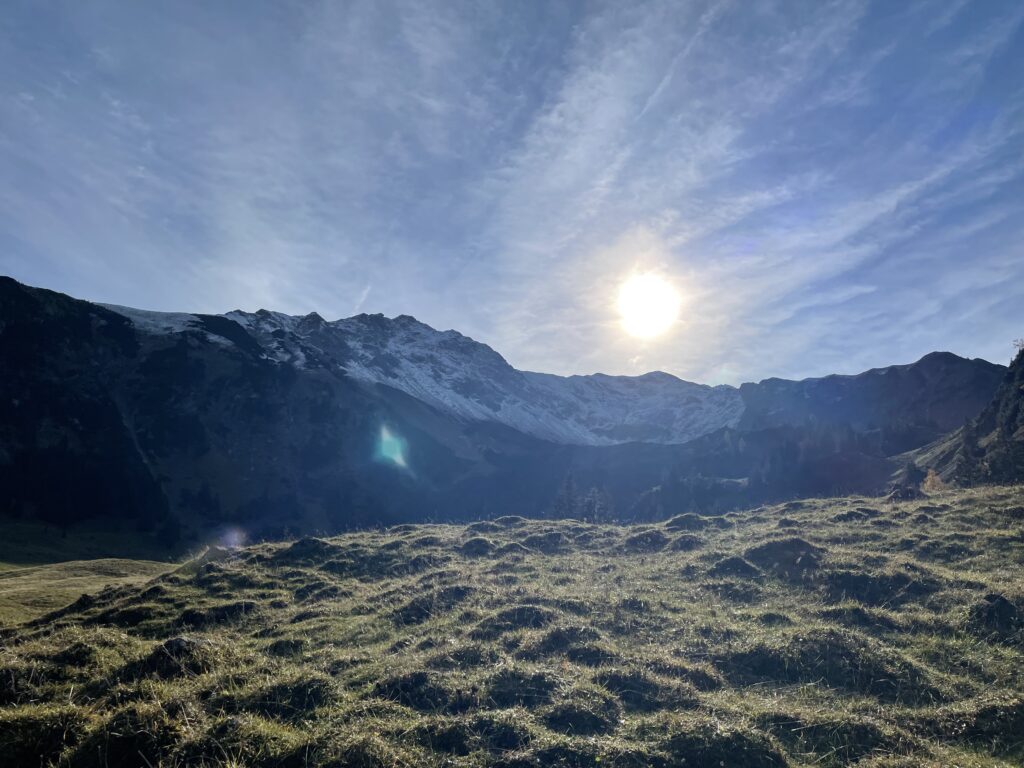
833	186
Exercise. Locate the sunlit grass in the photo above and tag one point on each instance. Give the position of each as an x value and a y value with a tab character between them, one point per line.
851	639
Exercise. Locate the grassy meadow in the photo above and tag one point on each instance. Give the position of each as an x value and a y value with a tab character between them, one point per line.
43	568
813	633
29	591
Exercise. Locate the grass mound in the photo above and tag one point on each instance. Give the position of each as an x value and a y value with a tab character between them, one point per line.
521	686
995	723
651	540
587	712
464	656
996	617
247	739
511	619
790	558
293	698
687	522
420	609
855	615
840	741
501	731
373	564
560	641
592	655
838	659
425	691
38	734
139	733
721	641
686	543
640	692
200	618
878	588
705	743
178	656
307	550
548	543
363	751
478	546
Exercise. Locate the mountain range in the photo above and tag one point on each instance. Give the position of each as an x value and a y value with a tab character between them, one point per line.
183	422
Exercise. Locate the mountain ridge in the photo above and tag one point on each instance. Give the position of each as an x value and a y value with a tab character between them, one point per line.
472	380
180	423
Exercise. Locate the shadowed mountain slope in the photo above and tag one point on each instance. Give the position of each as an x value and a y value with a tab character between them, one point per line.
907	405
181	423
989	448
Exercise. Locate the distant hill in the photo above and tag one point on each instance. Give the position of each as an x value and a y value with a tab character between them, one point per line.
181	424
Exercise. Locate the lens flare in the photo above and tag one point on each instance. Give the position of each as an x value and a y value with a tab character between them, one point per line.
232	538
391	448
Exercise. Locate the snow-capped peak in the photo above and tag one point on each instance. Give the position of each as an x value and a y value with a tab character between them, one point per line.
470	380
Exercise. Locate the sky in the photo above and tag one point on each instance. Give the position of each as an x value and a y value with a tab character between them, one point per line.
831	186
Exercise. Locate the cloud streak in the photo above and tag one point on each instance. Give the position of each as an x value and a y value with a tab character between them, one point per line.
833	186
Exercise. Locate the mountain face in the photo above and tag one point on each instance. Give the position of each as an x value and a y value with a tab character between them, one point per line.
908	405
273	422
471	381
1001	429
989	448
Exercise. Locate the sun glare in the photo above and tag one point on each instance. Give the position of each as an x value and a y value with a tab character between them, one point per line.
648	305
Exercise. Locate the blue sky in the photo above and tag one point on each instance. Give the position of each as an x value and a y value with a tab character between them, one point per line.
832	185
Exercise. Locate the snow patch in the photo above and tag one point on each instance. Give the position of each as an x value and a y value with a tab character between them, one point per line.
156	322
471	381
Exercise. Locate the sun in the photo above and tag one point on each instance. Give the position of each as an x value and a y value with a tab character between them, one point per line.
648	305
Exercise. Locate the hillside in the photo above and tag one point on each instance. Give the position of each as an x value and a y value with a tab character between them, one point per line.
988	448
821	633
180	425
42	570
992	445
906	405
33	590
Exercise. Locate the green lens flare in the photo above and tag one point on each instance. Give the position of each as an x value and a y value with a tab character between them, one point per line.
391	448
